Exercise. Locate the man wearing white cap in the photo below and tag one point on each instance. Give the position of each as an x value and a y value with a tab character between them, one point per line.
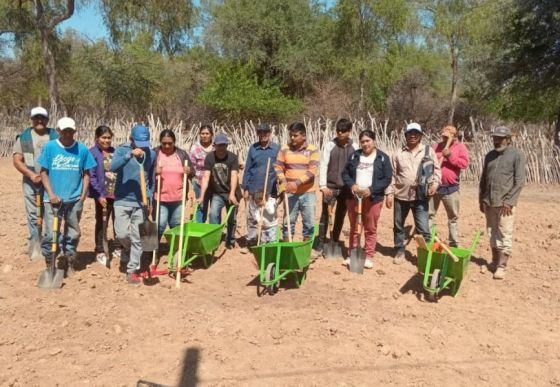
65	165
416	177
26	151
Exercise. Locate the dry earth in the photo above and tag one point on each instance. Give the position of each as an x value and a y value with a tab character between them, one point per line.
339	329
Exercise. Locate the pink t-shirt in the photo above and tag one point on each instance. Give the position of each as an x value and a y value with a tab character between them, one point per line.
171	177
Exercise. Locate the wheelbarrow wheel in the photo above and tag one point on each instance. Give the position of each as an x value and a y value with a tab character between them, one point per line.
269	276
434	281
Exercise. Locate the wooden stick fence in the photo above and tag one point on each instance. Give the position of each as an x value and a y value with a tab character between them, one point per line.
543	158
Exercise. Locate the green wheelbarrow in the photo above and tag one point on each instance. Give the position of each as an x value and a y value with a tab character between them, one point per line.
278	260
200	240
440	271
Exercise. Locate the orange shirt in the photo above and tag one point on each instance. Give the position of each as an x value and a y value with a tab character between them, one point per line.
299	166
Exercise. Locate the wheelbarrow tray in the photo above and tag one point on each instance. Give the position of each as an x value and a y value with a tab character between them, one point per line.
286	257
452	272
199	240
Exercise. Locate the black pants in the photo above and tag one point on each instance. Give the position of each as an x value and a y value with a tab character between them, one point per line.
99	225
339	196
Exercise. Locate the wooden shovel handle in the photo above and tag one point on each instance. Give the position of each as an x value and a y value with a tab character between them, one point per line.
143	186
446	249
359	216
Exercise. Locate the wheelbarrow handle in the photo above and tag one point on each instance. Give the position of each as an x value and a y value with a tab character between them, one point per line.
449	252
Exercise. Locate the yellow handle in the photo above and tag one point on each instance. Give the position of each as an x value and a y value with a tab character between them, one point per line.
55	234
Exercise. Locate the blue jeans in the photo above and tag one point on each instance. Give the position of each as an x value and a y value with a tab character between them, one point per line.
217	203
68	239
127	221
420	212
169	214
305	204
30	203
202	210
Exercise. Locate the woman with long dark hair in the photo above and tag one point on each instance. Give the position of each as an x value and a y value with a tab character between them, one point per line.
199	151
367	173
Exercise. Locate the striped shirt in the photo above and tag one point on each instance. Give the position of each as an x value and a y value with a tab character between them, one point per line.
299	166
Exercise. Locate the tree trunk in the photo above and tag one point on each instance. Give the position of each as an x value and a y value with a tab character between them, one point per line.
50	70
454	79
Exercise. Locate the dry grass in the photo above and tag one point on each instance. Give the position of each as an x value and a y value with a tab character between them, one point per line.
543	163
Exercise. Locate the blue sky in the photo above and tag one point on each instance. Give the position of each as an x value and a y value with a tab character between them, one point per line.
88	22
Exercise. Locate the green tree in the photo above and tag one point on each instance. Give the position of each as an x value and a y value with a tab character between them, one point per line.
168	22
235	93
25	17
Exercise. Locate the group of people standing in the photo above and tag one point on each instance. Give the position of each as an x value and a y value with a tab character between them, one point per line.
352	177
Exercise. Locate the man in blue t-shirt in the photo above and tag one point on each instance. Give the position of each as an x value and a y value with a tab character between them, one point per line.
65	165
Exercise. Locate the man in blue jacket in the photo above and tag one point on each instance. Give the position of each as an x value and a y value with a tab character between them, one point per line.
254	178
127	162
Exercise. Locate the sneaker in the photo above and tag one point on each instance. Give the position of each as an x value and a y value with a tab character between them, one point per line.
316	254
346	262
102	258
117	254
399	258
133	279
245	250
500	273
368	264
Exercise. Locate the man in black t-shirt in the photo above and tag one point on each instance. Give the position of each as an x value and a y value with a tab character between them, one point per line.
221	169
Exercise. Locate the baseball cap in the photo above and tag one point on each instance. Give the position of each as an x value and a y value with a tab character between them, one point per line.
39	111
141	136
413	126
221	139
66	123
501	131
264	127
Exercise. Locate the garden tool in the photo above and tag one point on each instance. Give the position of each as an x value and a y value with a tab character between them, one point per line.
357	256
35	242
52	277
179	254
105	261
155	252
331	249
265	198
148	229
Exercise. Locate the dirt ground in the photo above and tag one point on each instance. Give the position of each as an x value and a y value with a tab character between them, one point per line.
339	329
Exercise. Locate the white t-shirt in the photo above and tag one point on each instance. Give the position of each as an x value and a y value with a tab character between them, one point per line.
364	172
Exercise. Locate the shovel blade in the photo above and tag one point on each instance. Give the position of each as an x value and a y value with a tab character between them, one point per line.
148	235
357	261
51	279
35	252
332	250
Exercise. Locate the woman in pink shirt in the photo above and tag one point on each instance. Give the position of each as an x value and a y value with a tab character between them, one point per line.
170	161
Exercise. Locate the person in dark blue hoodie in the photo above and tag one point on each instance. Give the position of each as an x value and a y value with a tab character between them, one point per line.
127	162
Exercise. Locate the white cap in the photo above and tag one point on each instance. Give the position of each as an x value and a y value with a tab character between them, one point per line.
413	126
66	123
39	111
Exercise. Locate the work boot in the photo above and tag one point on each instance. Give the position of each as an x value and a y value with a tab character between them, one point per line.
500	272
70	265
399	257
495	258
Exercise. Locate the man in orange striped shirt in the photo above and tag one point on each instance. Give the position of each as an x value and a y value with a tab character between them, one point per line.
297	167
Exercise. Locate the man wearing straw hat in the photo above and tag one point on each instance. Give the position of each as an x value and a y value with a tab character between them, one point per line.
260	162
453	157
27	149
503	177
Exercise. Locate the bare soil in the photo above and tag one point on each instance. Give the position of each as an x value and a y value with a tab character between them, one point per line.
338	329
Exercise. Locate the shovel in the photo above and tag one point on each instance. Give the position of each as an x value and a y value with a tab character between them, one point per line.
331	249
153	267
35	248
148	229
357	257
51	277
106	260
